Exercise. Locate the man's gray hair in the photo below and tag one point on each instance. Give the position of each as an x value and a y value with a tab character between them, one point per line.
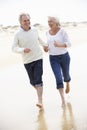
23	14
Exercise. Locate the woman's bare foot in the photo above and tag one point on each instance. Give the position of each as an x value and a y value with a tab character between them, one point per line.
67	88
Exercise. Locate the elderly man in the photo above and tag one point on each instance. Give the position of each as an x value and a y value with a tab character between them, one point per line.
27	42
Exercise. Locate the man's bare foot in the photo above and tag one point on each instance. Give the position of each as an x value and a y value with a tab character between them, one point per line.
63	104
67	88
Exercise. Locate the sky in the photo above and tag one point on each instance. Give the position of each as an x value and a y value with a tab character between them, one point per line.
66	10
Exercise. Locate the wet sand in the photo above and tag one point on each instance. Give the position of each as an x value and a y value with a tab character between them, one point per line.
18	99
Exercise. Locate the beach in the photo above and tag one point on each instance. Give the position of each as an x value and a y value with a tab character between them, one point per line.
18	109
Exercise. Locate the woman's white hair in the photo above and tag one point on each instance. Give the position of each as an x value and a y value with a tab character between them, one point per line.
55	19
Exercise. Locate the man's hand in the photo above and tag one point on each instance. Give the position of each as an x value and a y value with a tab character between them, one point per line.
45	48
27	50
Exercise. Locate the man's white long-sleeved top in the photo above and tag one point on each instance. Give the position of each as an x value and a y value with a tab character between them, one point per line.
28	39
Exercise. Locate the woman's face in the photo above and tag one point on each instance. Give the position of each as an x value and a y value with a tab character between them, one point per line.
52	23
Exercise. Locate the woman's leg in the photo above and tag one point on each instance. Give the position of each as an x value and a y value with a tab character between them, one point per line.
55	64
67	87
61	91
65	65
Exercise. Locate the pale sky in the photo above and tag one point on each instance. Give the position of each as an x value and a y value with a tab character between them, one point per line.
66	10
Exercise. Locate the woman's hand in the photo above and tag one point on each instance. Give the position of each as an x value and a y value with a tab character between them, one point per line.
56	44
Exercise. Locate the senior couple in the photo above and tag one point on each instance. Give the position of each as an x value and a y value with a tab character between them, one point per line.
27	42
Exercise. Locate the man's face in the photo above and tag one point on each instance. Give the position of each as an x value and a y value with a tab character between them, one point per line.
25	22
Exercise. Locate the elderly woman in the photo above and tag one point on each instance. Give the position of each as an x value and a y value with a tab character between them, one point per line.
58	41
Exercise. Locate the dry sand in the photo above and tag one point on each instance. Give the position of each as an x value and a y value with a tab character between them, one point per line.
17	98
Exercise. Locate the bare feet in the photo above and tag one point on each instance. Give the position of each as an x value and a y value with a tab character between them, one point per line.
67	88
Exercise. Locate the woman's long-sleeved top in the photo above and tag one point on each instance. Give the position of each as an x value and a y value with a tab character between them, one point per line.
62	37
28	39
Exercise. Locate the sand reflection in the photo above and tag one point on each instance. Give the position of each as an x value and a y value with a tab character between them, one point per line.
41	121
68	122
